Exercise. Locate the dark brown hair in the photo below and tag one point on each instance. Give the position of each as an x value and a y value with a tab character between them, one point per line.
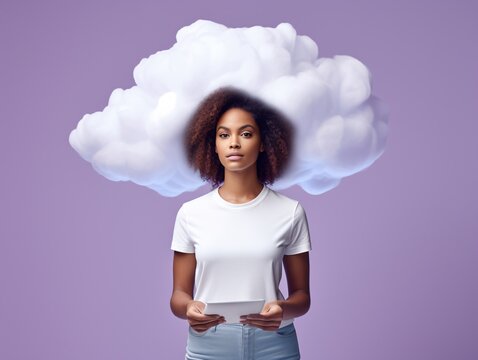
276	134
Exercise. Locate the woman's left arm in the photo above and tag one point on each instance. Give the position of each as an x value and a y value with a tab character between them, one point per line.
297	304
297	272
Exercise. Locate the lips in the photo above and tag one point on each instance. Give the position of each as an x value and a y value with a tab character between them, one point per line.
234	155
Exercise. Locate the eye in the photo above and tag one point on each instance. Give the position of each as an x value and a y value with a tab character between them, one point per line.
223	137
247	134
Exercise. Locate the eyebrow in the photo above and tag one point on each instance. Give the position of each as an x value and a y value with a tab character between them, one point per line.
242	127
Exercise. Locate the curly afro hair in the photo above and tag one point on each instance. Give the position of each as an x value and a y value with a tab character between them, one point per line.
276	134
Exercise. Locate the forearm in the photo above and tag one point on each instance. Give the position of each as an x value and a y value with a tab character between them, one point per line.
179	302
297	304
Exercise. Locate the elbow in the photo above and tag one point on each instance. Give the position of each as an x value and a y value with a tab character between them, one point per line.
307	302
178	304
173	305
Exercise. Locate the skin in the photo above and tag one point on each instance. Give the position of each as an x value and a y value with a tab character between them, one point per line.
237	131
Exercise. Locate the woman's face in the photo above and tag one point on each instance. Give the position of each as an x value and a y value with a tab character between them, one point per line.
238	140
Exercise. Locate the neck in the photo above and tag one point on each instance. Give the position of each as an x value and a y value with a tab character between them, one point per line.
240	187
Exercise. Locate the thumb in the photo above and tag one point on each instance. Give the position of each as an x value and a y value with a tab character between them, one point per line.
265	309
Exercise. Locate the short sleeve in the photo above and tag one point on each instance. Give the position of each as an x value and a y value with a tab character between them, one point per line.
300	236
181	242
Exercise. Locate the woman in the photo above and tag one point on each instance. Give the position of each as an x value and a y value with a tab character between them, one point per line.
229	244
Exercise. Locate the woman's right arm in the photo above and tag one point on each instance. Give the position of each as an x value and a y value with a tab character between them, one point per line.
184	266
182	303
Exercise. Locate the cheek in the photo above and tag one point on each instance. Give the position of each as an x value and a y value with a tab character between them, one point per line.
255	146
219	150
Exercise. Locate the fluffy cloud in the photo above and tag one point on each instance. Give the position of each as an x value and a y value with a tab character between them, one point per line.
341	127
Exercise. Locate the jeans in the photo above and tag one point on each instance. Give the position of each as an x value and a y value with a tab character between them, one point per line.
242	342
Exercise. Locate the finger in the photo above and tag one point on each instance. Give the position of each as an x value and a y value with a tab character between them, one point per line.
204	326
206	321
197	317
252	316
201	316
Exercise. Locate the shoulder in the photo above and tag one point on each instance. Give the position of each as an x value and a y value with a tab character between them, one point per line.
279	199
291	206
198	203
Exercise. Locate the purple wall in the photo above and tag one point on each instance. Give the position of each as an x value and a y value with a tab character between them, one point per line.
85	265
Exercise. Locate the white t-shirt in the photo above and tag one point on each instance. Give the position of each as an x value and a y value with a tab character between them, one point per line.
239	247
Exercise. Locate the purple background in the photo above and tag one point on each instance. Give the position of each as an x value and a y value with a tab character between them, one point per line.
85	264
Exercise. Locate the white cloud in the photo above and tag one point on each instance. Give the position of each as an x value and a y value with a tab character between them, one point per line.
341	127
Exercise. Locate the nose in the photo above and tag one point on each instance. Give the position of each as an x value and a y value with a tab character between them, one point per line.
234	143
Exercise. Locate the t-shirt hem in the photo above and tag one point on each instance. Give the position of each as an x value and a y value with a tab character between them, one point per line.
298	249
286	322
182	249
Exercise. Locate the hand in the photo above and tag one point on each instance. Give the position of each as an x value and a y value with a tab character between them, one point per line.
198	320
268	319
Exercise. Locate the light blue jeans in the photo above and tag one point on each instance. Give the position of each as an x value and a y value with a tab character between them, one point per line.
242	342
